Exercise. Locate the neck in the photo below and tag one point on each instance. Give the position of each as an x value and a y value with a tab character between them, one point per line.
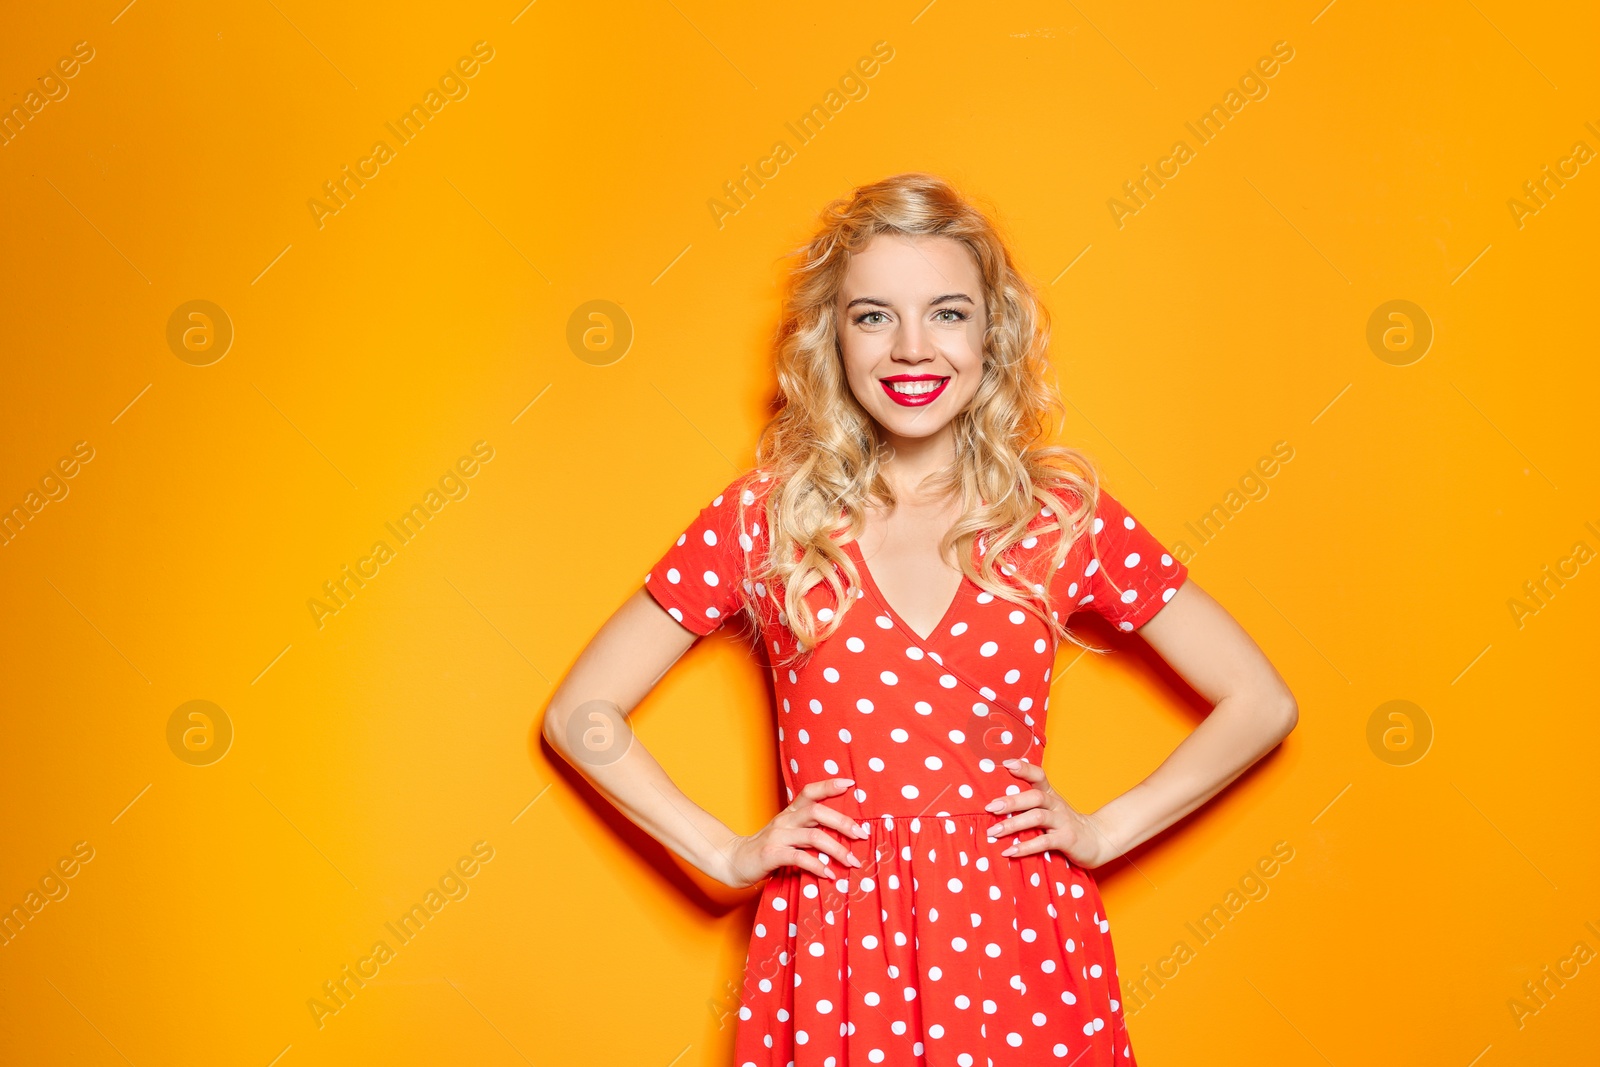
914	460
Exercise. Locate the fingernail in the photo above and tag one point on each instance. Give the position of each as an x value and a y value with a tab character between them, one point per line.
1010	851
994	805
1010	762
861	831
853	861
848	781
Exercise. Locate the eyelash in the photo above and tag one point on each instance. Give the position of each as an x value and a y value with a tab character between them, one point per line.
960	316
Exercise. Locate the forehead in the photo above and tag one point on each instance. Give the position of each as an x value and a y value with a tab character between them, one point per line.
906	269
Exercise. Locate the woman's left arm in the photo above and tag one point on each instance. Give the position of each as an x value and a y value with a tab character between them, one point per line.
1252	710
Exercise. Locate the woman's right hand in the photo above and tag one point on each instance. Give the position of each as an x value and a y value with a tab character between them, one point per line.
784	840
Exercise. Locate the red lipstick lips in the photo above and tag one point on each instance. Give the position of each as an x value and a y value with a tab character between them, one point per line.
920	393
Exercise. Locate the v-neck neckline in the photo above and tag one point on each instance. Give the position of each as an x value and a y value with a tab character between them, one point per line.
854	548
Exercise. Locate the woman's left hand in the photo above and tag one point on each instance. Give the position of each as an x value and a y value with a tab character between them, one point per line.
1082	837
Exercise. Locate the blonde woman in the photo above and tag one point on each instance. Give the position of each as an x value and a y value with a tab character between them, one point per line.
905	556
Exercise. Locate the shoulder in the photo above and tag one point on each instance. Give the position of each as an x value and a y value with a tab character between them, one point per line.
735	518
745	495
1063	508
749	489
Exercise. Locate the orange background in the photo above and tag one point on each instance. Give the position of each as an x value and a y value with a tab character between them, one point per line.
372	351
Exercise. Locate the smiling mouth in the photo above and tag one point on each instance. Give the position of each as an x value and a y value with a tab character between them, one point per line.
914	390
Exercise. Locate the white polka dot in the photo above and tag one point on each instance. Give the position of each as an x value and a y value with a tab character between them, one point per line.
947	680
710	578
824	614
711	537
988	648
889	678
1132	560
899	735
1017	616
923	707
855	644
958	629
864	706
884	622
830	674
673	575
933	763
909	792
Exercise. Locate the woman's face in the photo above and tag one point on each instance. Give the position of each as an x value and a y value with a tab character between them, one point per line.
911	320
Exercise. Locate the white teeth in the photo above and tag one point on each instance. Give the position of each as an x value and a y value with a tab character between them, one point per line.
916	388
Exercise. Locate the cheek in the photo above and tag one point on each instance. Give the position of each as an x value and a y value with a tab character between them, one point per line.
966	356
858	360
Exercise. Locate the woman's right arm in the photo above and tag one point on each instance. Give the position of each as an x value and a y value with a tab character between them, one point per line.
586	721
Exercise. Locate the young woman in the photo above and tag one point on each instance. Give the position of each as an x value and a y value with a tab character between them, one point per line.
906	555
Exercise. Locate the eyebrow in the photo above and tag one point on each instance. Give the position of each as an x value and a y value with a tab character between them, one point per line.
880	302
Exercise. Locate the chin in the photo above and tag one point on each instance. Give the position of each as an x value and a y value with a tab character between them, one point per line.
912	427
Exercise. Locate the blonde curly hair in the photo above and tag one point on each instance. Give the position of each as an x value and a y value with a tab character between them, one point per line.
823	455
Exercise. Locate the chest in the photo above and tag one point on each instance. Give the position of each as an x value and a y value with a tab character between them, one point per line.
903	553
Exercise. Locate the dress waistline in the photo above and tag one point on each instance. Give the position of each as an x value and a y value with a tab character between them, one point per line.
932	816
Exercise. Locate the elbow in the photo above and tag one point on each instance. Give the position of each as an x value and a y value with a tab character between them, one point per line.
551	729
1288	715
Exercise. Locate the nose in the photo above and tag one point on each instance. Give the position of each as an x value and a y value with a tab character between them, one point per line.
912	345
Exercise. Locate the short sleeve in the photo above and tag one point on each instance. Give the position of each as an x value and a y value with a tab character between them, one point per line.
700	579
1124	573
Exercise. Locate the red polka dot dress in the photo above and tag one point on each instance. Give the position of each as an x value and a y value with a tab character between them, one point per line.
937	951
